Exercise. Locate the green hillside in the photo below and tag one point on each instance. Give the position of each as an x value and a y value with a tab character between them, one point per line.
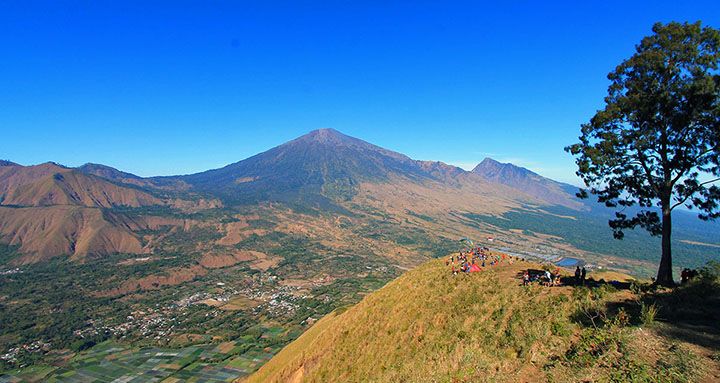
429	325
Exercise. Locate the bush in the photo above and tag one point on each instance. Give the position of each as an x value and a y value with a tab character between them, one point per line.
560	329
648	313
711	272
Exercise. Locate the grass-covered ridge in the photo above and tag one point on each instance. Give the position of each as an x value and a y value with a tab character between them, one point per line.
429	325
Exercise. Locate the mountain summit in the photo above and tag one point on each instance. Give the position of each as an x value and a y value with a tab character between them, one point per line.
319	167
327	136
528	182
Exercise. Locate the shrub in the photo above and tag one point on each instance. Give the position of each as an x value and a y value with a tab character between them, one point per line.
711	271
648	313
560	329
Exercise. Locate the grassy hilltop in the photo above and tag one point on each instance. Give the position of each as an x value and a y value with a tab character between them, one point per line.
429	325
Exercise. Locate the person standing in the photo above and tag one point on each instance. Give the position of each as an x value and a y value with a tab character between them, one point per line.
582	276
549	278
577	275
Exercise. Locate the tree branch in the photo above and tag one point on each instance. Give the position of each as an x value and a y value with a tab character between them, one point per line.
648	173
694	161
697	188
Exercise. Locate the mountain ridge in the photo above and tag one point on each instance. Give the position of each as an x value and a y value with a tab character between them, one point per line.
431	325
323	172
530	182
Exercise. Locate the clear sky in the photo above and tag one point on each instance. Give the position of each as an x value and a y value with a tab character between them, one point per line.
160	88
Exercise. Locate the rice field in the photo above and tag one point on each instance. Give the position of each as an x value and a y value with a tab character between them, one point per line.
111	362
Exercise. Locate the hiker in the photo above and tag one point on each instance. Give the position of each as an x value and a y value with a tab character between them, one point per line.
684	275
549	278
577	275
526	278
556	282
582	276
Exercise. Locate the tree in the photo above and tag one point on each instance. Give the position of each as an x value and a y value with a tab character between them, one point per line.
656	143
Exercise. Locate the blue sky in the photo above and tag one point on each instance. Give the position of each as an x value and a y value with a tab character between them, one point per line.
179	87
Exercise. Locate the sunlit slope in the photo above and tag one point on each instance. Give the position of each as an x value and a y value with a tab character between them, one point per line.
431	326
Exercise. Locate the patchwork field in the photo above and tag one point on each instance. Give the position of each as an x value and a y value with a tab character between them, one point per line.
114	362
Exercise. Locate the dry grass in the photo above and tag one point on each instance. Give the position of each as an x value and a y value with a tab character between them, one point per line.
431	326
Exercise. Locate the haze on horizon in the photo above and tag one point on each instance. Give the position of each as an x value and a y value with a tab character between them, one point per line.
163	90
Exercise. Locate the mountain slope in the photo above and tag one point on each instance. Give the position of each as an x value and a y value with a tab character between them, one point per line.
326	172
164	184
429	325
13	176
44	232
320	167
49	210
528	182
50	184
111	173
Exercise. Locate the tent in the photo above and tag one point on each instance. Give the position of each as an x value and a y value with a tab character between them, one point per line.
475	268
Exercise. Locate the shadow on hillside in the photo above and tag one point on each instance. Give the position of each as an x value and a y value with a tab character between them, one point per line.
700	335
689	313
538	275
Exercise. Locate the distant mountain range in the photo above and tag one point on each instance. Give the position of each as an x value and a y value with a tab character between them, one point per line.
324	167
269	244
49	210
527	181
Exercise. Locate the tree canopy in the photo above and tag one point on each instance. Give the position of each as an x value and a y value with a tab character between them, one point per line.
656	143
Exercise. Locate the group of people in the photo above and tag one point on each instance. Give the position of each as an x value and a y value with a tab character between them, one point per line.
580	276
687	275
474	260
546	278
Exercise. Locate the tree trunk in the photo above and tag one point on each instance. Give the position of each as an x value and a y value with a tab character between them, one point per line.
664	275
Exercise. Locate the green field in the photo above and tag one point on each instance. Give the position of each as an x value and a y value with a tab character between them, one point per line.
111	361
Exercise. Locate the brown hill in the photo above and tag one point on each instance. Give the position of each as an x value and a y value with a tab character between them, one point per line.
52	210
44	232
13	175
50	184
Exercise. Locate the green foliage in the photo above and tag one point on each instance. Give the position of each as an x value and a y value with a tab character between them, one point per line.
681	365
657	135
711	272
421	216
648	312
637	149
7	253
611	346
560	328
